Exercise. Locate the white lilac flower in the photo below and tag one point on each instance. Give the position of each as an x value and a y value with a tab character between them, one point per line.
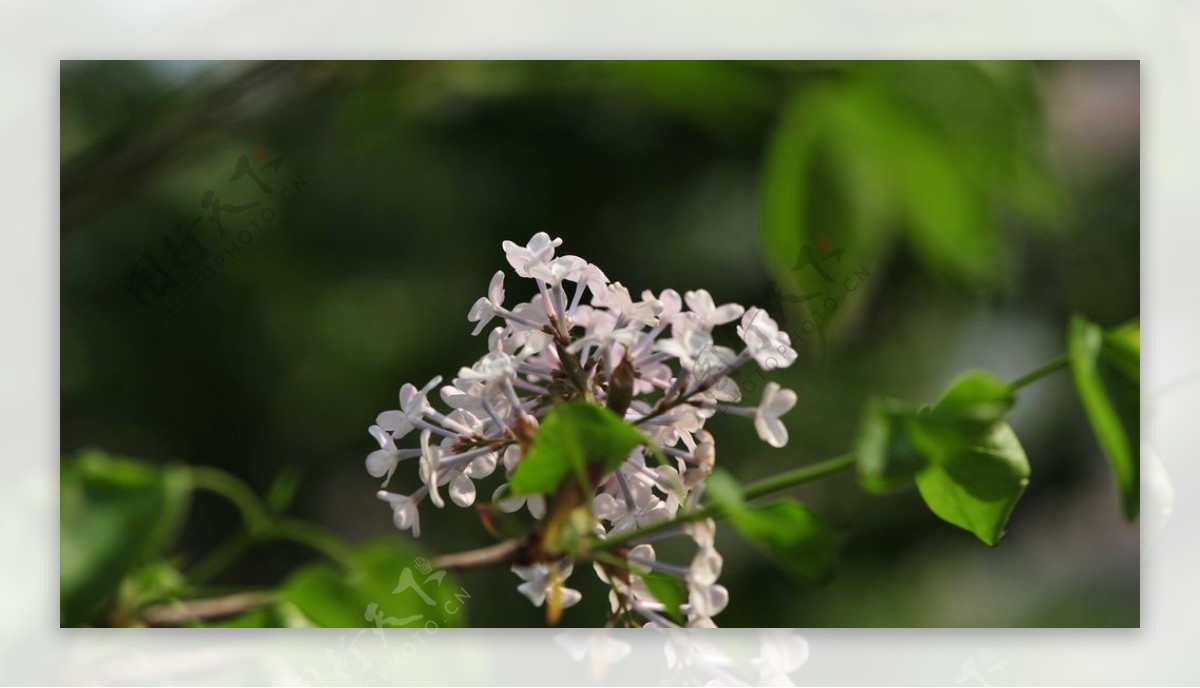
689	341
431	457
564	268
382	462
539	250
775	402
509	503
562	345
770	347
488	307
701	303
413	405
544	580
404	511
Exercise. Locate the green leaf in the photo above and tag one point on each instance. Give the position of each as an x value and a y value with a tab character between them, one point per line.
668	590
895	441
722	490
154	583
887	458
116	514
722	97
1106	368
967	463
825	206
976	484
991	114
796	536
572	438
975	402
283	490
976	396
384	582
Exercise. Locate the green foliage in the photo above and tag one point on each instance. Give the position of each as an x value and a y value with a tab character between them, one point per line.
283	490
886	457
966	461
887	152
384	575
1106	369
570	439
802	542
669	590
154	583
975	482
799	539
116	515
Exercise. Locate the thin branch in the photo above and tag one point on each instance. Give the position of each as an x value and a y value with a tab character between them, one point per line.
1058	363
502	553
176	613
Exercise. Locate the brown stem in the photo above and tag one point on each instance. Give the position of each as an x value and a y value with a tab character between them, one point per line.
176	613
503	553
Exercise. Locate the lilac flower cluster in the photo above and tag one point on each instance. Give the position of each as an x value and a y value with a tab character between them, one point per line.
651	360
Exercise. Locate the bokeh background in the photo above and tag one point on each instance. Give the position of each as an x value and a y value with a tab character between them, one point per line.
987	202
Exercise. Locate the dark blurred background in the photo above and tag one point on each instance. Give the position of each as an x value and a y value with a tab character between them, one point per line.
986	201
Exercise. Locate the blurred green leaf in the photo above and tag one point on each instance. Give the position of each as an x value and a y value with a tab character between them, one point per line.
824	206
116	514
723	491
975	485
887	459
991	115
933	149
571	438
721	97
383	584
669	590
157	582
283	490
1106	368
794	535
946	216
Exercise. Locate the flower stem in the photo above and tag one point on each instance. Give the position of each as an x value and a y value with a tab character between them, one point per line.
1056	364
259	525
800	475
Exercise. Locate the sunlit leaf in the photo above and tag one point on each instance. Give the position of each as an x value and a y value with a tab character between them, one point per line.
976	484
572	438
966	462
